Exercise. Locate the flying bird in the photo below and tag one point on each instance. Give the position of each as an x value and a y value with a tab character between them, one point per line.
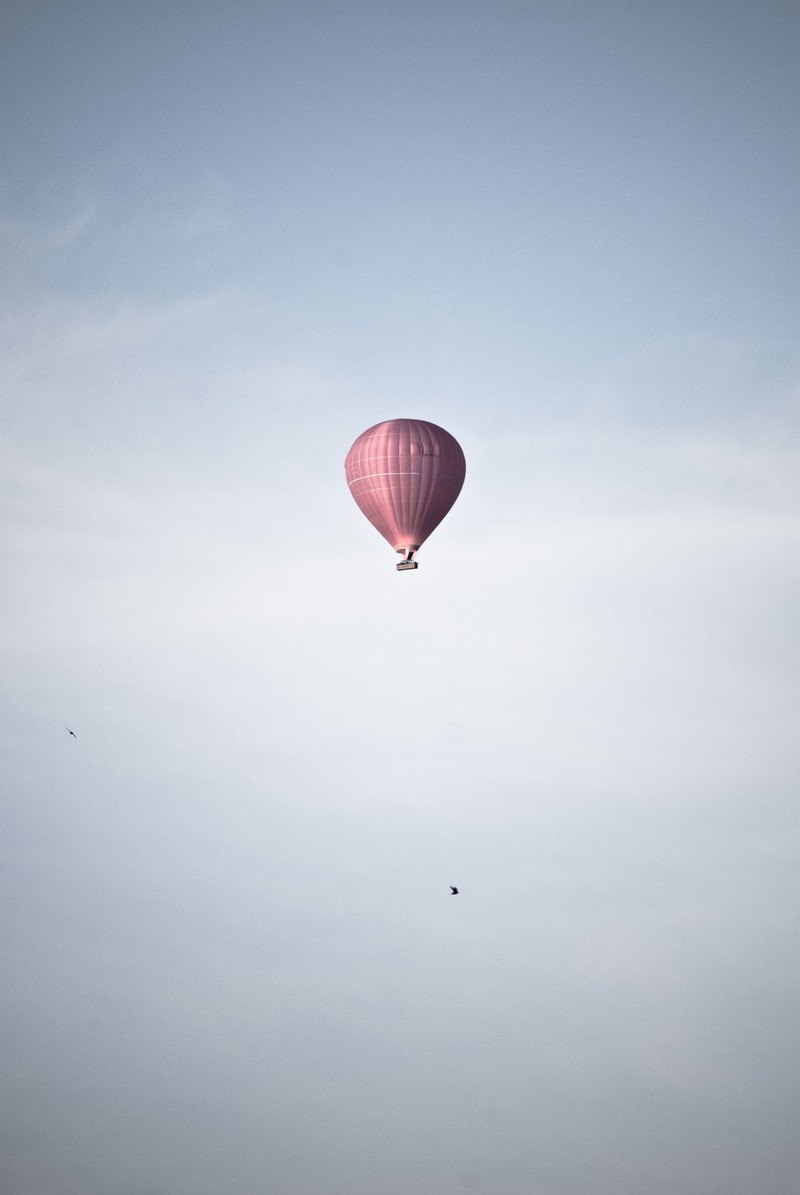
453	891
72	732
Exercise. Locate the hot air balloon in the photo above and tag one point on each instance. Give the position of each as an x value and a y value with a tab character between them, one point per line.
405	474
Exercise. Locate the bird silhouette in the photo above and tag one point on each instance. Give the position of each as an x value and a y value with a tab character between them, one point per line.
453	891
72	732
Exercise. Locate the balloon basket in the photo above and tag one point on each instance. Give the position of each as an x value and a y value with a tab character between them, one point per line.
406	564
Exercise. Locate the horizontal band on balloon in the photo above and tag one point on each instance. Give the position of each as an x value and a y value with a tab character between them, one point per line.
403	473
399	447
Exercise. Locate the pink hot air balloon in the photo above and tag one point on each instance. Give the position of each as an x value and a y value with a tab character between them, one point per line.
405	474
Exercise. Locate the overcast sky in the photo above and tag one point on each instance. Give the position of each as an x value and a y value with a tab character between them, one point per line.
234	236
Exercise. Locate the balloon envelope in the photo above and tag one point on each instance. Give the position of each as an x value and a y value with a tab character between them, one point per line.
405	474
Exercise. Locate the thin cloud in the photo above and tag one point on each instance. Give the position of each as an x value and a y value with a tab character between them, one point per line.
40	239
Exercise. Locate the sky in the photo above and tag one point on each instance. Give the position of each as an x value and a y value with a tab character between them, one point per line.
233	238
